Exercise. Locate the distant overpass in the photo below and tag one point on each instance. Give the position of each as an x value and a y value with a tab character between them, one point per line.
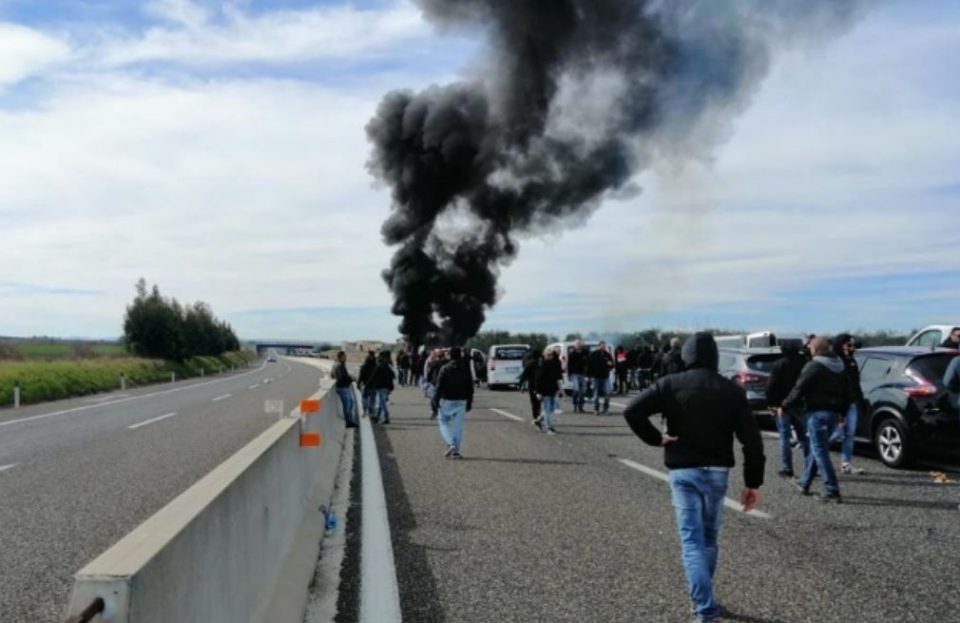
286	348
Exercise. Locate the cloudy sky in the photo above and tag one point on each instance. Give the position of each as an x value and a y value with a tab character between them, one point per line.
217	148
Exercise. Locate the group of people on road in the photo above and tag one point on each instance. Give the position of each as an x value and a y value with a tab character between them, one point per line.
375	382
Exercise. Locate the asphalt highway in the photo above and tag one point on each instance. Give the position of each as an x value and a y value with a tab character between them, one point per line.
579	527
77	475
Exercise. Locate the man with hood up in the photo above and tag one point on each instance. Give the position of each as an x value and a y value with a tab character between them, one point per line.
783	377
453	400
703	412
823	392
369	395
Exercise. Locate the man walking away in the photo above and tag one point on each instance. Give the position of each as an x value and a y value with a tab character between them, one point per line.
822	390
344	387
453	400
434	366
844	346
547	383
599	365
953	340
576	370
620	361
363	382
703	411
528	378
673	360
633	362
403	365
382	384
783	376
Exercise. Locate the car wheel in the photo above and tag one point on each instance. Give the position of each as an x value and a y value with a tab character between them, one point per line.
892	443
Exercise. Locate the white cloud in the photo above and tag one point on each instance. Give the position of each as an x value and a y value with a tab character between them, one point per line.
25	52
331	32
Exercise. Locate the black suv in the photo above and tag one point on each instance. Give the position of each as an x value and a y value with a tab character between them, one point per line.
908	410
750	369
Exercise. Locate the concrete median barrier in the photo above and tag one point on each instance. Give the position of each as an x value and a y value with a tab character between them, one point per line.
239	545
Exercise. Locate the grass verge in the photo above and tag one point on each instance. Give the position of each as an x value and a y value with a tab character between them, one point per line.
42	381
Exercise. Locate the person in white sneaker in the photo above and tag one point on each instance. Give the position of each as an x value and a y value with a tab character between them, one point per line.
844	346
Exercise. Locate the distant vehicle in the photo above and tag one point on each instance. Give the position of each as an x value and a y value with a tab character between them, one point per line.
564	348
272	358
908	410
932	336
750	369
761	339
505	363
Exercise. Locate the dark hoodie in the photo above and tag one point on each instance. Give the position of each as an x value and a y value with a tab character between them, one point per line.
366	370
852	370
704	411
822	386
784	375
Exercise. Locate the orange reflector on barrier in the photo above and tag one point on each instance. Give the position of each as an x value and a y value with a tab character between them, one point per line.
309	406
310	440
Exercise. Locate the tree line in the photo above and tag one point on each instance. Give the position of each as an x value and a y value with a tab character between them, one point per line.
159	327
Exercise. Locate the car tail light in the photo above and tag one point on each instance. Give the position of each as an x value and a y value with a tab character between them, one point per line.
747	378
922	389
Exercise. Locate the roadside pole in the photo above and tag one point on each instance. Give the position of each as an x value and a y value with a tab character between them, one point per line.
16	394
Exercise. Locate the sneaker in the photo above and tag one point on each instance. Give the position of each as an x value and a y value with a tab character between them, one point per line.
551	431
834	496
847	468
449	452
785	473
803	490
456	454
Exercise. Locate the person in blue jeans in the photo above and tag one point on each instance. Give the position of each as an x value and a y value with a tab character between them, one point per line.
599	365
547	384
844	347
783	376
576	369
823	390
382	384
703	411
453	400
344	388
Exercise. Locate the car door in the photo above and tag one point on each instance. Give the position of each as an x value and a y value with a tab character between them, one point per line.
874	371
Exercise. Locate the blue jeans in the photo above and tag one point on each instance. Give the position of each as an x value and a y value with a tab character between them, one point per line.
698	503
847	434
601	386
579	389
348	404
547	409
785	424
820	426
383	399
451	416
369	400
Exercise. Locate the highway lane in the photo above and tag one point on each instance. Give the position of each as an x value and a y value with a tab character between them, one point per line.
566	528
81	478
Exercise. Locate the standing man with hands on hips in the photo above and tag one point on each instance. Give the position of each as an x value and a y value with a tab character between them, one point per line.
703	412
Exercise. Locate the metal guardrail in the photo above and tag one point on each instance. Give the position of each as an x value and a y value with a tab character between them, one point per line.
95	608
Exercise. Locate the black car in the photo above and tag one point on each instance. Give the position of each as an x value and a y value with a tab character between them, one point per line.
750	369
907	411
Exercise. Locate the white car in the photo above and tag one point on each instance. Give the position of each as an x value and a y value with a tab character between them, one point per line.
933	336
505	364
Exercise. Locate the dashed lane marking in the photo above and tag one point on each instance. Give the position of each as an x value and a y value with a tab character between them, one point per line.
219	398
729	503
152	421
4	468
254	386
509	415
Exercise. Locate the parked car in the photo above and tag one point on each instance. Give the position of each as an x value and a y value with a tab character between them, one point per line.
932	336
750	369
908	411
505	363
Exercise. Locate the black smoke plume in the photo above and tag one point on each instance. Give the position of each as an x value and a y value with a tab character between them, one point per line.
577	97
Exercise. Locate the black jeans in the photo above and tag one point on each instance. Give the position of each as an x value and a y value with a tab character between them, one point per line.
534	405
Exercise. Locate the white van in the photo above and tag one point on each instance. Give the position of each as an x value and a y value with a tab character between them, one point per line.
762	339
932	336
505	363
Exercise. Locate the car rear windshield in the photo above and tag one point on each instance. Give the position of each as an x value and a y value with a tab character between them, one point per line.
510	354
762	363
931	367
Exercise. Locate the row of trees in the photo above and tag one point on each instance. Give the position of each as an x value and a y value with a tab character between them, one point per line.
159	327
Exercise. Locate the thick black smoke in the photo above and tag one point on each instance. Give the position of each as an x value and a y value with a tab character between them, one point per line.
577	98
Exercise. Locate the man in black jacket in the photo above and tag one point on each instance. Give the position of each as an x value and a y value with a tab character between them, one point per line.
844	347
703	411
822	392
453	400
528	378
381	382
344	389
547	383
599	365
363	382
783	376
953	340
673	360
576	371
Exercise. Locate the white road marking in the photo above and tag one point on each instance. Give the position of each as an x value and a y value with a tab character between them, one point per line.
4	468
148	422
254	386
769	435
509	415
731	504
379	593
618	404
104	398
44	416
219	398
